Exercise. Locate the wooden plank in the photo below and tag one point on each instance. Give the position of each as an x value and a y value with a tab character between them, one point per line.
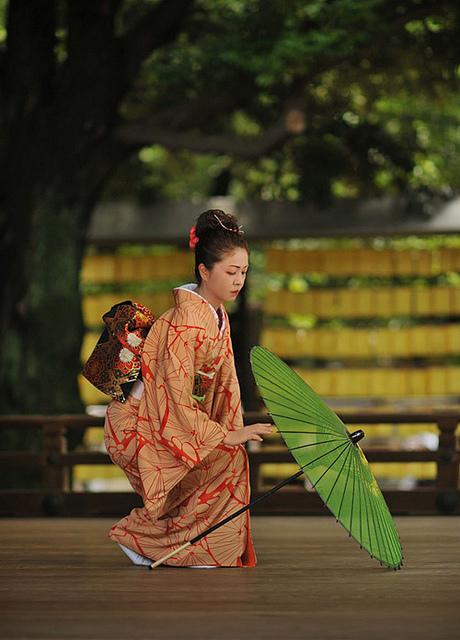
71	504
290	501
65	579
372	455
9	459
352	416
376	416
69	421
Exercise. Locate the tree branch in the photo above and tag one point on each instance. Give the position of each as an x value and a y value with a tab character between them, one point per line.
195	113
156	29
138	134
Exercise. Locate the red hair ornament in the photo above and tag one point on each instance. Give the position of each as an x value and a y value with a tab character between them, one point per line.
193	238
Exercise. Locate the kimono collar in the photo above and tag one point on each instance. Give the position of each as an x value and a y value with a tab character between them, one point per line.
190	289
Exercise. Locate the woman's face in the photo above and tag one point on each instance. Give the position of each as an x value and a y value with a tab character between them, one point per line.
226	278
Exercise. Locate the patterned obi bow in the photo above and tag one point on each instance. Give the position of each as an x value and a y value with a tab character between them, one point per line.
115	363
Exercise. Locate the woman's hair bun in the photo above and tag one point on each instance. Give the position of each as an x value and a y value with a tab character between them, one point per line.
216	220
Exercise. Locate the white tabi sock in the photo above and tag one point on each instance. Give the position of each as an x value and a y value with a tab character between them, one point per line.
136	558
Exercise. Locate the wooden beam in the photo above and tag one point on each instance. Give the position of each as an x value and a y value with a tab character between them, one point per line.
116	223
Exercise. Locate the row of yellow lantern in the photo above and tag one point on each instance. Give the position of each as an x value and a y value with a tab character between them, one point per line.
346	342
362	261
365	302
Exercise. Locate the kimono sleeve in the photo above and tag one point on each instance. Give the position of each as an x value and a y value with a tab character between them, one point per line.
183	427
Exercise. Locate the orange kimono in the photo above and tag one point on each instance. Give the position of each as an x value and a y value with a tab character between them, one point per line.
169	441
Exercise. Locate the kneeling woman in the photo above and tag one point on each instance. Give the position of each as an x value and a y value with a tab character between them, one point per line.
180	436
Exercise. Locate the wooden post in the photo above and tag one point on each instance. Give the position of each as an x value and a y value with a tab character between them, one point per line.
246	328
448	458
254	477
55	476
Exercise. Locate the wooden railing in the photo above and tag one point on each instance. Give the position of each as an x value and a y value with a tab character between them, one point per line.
55	498
442	497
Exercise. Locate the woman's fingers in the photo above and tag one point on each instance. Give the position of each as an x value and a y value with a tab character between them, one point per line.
269	427
251	432
264	429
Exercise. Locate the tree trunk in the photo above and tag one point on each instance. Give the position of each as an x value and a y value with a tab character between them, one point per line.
42	325
41	354
59	105
61	171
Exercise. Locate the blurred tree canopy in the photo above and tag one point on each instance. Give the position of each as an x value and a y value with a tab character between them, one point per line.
372	88
173	98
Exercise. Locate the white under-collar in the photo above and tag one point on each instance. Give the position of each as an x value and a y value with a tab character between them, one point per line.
191	286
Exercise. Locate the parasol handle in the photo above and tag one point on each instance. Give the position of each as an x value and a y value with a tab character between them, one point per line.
227	519
169	555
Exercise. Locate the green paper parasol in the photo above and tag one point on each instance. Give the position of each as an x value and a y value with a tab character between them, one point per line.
329	455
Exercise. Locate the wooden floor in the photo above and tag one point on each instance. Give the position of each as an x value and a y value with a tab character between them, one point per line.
63	578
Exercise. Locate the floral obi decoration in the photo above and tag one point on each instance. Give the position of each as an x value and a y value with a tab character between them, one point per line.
115	363
202	381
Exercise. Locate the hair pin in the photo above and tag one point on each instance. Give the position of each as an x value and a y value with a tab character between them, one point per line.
239	230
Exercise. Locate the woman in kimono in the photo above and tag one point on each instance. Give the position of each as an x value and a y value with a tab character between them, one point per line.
179	437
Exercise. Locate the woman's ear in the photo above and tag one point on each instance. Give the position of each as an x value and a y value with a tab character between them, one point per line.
203	272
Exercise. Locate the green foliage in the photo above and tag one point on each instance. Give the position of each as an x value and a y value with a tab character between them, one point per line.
155	173
3	4
379	82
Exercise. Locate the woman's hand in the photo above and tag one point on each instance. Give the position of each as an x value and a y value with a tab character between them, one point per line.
251	432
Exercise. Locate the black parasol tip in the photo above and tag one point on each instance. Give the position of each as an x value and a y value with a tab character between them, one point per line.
356	436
